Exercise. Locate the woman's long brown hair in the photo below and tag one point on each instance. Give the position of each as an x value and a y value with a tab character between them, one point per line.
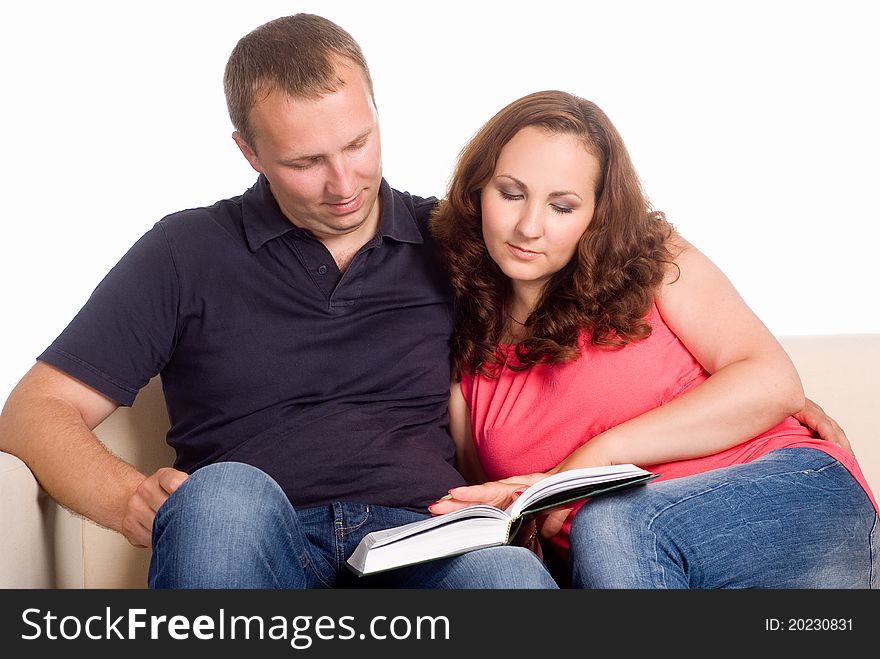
607	287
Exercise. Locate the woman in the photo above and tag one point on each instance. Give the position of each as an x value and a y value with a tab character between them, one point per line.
588	332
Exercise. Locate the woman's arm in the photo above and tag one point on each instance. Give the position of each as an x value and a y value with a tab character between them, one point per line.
494	493
753	384
466	460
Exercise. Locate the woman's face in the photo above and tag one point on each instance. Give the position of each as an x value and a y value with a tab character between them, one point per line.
538	204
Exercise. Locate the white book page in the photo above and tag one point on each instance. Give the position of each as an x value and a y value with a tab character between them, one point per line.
397	533
566	480
472	533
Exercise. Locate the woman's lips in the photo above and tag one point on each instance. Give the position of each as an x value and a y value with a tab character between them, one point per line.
524	254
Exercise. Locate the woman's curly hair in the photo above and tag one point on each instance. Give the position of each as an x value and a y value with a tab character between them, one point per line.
605	290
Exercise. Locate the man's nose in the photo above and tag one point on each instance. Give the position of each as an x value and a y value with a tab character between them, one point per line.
340	178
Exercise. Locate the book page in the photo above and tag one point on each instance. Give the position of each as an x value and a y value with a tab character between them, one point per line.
468	534
571	480
397	533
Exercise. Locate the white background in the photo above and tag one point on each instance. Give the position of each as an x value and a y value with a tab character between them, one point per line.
754	126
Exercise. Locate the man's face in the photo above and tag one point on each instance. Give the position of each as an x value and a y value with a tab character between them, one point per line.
322	157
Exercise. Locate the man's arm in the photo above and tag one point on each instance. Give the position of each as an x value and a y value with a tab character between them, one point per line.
47	422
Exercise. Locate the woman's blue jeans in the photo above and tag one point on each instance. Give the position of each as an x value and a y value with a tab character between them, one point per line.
793	518
229	525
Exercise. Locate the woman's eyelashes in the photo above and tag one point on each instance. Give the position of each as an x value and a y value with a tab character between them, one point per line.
516	196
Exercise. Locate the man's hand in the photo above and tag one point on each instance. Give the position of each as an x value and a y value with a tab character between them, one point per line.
137	525
814	417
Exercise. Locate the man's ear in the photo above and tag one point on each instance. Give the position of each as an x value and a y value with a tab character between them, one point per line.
247	152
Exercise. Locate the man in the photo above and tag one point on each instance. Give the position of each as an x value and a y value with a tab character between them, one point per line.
301	333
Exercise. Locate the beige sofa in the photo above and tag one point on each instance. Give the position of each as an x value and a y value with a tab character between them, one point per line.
43	546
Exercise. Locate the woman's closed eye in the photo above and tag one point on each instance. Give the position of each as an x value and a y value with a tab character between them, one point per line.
510	195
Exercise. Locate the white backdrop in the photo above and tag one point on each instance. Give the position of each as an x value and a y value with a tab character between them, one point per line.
752	124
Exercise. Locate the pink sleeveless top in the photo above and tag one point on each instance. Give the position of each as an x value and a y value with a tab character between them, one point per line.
529	421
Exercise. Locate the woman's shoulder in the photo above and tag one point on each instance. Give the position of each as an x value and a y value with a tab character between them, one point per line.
679	250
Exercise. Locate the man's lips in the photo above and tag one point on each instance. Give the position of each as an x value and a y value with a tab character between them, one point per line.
347	206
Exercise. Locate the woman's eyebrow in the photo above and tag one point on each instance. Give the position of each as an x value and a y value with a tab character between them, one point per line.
558	193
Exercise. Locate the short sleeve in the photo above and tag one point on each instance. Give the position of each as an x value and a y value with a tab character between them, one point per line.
125	333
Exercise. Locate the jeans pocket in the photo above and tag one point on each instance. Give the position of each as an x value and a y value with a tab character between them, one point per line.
354	519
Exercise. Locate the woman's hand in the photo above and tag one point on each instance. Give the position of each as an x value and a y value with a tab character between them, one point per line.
501	494
494	493
551	521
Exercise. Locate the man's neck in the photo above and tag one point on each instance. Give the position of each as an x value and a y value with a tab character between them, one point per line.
344	247
344	255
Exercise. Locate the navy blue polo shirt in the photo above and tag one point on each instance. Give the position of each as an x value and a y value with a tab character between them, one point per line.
335	384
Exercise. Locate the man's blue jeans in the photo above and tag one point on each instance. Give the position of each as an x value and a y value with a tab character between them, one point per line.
229	525
793	518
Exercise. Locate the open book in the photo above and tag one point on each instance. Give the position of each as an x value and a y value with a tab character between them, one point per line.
481	526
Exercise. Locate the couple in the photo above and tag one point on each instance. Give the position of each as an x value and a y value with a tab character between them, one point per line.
302	333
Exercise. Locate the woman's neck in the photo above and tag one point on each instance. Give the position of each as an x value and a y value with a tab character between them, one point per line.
523	300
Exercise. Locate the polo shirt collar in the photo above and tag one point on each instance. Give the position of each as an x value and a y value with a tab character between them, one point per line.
398	221
264	221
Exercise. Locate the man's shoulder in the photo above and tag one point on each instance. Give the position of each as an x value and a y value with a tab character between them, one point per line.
420	208
418	205
199	223
199	215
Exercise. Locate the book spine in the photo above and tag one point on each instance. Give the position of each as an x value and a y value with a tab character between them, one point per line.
512	527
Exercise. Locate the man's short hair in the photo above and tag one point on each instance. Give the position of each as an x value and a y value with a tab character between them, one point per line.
293	54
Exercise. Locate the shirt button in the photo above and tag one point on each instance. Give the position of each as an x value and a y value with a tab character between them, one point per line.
322	269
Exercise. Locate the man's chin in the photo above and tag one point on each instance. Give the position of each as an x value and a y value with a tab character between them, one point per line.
345	225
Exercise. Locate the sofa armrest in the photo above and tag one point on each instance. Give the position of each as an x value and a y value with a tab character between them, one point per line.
43	545
35	529
27	557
